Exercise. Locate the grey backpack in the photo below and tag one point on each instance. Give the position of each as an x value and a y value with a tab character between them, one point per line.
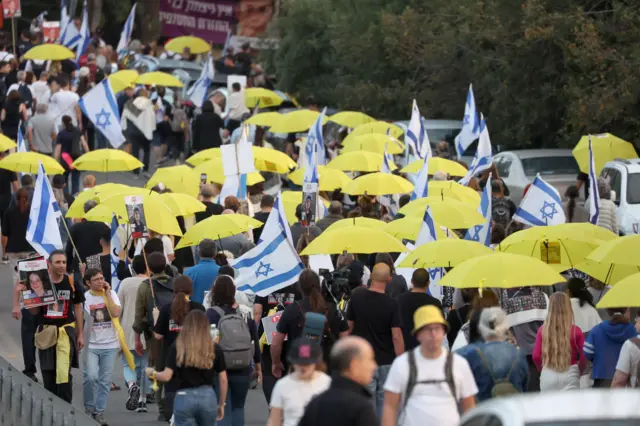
235	340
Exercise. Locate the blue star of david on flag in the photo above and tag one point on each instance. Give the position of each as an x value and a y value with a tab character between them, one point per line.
546	213
541	205
264	269
475	232
103	119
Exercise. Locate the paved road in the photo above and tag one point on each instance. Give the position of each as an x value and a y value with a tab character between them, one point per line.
256	409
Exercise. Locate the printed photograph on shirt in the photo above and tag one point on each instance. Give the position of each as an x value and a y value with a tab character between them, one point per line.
174	326
100	316
135	212
35	276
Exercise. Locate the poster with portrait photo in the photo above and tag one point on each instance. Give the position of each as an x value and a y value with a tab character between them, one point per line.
35	276
309	203
135	212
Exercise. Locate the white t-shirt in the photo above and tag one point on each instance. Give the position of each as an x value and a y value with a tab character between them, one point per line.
166	242
62	103
431	404
293	395
103	334
40	91
628	361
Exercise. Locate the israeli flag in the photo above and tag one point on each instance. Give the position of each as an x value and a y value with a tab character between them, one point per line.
85	35
99	105
235	185
314	148
470	125
482	233
594	195
116	246
483	158
421	188
427	235
416	135
271	265
125	36
387	160
541	205
389	200
276	222
227	42
200	89
64	22
22	145
43	232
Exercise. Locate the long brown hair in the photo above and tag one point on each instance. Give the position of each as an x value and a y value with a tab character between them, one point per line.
194	345
556	334
182	288
310	288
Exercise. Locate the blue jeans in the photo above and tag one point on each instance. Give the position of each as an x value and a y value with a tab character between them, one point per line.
196	407
74	185
236	397
376	387
137	376
97	378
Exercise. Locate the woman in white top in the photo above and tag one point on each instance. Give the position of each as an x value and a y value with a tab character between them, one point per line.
293	392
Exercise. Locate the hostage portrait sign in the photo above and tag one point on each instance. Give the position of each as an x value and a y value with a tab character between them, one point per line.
207	19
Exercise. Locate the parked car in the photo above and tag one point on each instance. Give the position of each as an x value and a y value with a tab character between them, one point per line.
593	407
558	167
624	178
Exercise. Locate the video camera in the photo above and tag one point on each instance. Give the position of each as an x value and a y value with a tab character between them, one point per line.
335	285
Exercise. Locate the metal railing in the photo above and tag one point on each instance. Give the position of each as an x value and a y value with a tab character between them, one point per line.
24	402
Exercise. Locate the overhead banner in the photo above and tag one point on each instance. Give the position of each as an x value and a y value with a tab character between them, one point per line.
208	19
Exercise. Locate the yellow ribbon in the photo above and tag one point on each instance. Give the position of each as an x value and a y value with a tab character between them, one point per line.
63	354
120	332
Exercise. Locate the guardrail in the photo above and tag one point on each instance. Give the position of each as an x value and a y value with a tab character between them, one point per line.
24	402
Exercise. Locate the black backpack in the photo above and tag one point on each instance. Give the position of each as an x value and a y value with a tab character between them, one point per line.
26	95
161	295
413	377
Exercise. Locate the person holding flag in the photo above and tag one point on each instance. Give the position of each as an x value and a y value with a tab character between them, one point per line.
606	217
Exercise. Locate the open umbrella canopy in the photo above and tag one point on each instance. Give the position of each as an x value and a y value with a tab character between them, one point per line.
437	164
296	121
218	227
291	199
374	142
408	228
377	127
182	204
362	222
196	45
159	78
122	79
351	119
625	294
619	251
265	159
107	160
262	98
177	178
266	119
606	147
329	179
501	270
608	273
355	240
448	212
452	189
215	172
76	209
158	215
49	52
6	144
444	254
378	184
29	162
359	161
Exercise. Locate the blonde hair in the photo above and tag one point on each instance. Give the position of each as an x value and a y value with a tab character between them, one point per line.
194	345
556	334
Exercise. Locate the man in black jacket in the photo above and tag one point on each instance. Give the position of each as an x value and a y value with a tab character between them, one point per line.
347	401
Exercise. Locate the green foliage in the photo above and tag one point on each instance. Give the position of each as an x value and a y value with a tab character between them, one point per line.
544	71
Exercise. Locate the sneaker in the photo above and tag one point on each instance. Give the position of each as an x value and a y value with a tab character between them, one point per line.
89	412
5	260
99	418
142	407
134	396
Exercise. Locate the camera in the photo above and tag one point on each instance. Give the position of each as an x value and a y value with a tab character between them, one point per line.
335	285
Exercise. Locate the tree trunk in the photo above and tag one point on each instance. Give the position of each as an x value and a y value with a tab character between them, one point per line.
95	14
148	20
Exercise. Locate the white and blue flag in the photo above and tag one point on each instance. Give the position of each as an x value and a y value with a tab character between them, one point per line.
85	35
43	232
64	22
421	188
276	222
470	125
594	194
315	144
271	265
482	233
483	159
125	36
416	135
389	200
116	246
227	42
387	161
22	144
200	89
234	185
541	205
100	106
427	235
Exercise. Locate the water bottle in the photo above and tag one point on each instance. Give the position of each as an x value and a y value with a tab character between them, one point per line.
214	332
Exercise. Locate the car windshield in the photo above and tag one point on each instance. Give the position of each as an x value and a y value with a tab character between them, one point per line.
602	422
561	165
633	189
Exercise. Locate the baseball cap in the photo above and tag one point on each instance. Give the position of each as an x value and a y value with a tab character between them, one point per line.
427	315
304	351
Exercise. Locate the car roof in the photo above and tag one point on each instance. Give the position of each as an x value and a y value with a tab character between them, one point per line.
590	404
632	165
537	153
433	124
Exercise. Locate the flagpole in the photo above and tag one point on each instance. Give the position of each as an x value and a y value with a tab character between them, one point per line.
13	32
75	250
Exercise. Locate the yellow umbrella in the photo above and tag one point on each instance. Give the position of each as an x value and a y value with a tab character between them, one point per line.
374	142
377	127
29	162
619	251
266	159
122	79
6	144
408	228
437	164
608	273
362	222
49	52
606	147
215	172
501	270
107	160
446	211
378	184
101	213
360	161
266	119
180	179
329	179
76	209
625	294
182	204
159	78
291	199
351	119
196	45
296	121
158	215
444	254
453	189
355	240
218	227
262	98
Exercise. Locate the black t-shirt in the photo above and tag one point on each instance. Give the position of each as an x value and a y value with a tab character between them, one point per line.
456	319
408	304
213	209
7	177
66	139
14	227
284	297
262	217
292	320
191	377
61	312
167	327
374	315
583	177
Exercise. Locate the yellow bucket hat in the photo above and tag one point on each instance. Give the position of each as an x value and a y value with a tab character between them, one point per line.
427	315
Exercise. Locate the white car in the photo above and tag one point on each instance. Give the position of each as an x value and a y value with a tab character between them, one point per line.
592	407
624	178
